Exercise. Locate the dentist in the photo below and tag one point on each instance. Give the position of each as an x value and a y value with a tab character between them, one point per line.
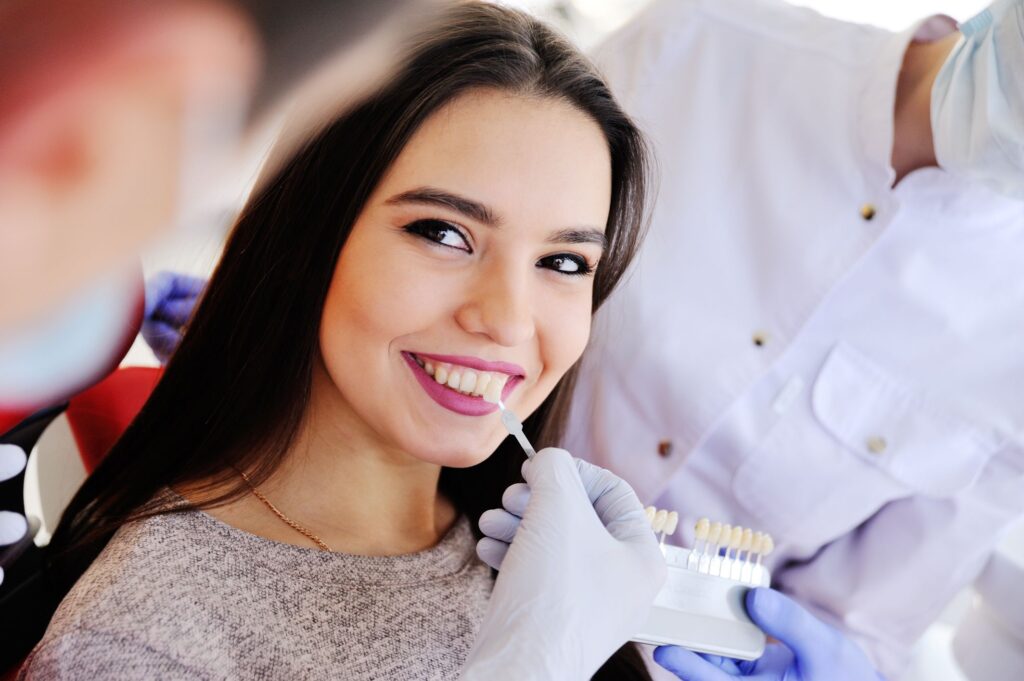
821	338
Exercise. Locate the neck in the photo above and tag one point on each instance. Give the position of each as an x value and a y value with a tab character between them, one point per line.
913	144
341	484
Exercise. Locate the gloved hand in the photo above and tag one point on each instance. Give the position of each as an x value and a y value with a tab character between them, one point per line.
977	108
578	579
810	650
13	526
170	298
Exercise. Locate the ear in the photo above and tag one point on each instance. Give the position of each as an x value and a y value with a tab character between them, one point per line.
106	114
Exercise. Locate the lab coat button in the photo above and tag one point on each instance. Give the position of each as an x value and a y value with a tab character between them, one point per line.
868	211
877	444
664	448
760	339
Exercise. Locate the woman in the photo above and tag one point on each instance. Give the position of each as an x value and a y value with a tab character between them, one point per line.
297	498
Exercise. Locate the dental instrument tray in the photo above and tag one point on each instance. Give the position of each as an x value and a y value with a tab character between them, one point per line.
701	606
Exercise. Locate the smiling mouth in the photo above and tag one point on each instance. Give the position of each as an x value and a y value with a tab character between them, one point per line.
465	390
473	382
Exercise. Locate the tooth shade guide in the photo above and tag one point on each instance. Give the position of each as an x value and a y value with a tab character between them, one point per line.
701	606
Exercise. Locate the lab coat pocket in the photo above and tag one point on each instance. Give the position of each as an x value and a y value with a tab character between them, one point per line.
927	447
864	439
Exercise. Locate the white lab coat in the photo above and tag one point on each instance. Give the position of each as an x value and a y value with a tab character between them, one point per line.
802	349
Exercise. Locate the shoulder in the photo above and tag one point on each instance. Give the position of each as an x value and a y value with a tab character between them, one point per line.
146	571
89	654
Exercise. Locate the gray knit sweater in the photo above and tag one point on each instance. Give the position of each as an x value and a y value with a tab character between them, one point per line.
184	596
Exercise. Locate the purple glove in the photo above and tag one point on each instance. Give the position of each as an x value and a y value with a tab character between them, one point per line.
810	650
170	298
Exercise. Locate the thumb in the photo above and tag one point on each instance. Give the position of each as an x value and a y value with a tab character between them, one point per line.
782	618
552	470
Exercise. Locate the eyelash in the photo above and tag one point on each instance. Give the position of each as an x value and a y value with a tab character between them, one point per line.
429	229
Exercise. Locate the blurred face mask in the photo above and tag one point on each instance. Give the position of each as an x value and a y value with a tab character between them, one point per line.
978	101
50	359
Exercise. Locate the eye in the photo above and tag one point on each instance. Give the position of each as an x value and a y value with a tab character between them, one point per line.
567	263
440	232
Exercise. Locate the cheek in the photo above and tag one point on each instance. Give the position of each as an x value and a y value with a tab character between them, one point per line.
565	332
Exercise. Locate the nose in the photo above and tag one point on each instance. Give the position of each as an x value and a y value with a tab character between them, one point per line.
500	306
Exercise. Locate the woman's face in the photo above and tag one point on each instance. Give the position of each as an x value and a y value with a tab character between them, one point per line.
469	271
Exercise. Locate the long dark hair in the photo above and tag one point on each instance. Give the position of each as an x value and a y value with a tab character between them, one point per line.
236	391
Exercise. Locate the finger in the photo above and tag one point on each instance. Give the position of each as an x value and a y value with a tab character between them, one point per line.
689	665
161	338
13	527
499	524
781	617
491	551
726	664
176	311
187	286
516	498
12	461
552	474
157	288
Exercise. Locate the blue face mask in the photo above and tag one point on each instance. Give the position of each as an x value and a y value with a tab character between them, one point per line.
978	101
42	363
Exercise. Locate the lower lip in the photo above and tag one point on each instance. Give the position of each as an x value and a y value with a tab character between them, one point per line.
456	401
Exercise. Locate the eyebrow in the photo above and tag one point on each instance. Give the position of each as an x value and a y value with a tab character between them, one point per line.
438	197
479	212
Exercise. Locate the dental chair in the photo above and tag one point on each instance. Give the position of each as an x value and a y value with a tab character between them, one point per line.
95	415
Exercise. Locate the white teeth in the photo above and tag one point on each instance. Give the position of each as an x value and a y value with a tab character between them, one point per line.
454	378
494	388
486	384
481	383
468	383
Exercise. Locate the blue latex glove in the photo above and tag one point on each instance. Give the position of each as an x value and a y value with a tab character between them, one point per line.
810	650
13	526
170	298
578	579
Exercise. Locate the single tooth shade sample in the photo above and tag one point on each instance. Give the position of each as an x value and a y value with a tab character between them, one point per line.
702	529
468	383
481	383
767	546
748	539
758	543
726	535
494	388
441	375
659	520
736	538
650	512
715	533
671	523
454	378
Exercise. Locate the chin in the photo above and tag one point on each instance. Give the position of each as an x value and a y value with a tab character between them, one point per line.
454	455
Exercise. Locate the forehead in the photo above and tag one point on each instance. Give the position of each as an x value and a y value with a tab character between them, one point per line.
537	160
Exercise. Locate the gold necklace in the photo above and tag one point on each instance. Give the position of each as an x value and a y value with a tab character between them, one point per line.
288	521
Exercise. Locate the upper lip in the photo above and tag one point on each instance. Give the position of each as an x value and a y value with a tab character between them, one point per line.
475	363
